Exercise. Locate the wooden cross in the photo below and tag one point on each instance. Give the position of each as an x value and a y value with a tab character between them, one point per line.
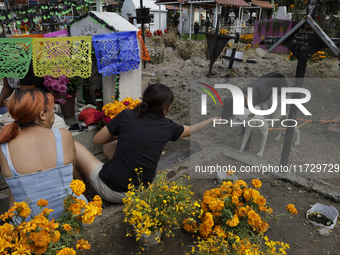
304	40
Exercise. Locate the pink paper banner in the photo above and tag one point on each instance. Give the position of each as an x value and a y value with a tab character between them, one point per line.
62	33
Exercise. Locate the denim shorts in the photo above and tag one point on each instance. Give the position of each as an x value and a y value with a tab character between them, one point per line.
102	189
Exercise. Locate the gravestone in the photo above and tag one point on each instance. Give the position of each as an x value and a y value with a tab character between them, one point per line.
282	12
97	23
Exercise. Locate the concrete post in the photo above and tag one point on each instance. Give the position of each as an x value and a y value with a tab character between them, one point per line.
99	5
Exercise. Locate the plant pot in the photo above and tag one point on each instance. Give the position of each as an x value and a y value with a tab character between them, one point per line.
151	240
68	108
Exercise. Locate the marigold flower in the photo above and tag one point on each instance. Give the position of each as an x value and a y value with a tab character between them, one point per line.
256	183
67	227
23	209
83	245
40	239
67	251
291	208
42	202
261	201
55	236
78	187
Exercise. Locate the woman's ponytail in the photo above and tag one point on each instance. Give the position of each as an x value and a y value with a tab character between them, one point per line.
141	110
9	131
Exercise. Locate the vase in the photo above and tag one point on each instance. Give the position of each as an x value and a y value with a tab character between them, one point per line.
151	240
68	108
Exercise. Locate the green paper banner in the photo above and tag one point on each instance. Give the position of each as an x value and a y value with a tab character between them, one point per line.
15	57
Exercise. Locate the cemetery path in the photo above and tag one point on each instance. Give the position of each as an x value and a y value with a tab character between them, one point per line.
107	234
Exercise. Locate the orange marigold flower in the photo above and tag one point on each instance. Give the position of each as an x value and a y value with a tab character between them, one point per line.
256	183
40	239
42	202
83	245
189	225
242	211
261	201
233	222
219	232
67	251
291	208
78	187
55	235
67	227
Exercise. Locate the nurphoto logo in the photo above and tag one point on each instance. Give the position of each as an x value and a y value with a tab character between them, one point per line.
280	103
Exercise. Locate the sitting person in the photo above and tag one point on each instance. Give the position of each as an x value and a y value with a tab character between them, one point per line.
30	81
36	161
134	139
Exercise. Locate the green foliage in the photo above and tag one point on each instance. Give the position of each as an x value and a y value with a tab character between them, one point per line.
73	85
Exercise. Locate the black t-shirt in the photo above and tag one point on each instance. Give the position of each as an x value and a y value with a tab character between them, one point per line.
140	144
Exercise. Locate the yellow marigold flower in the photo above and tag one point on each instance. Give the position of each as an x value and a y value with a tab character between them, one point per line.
19	249
23	209
83	245
291	208
42	202
67	251
234	199
8	214
55	235
78	187
67	227
256	183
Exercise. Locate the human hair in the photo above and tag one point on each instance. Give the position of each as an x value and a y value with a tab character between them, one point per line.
24	107
157	99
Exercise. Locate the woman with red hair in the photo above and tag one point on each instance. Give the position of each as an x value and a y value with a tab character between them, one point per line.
36	161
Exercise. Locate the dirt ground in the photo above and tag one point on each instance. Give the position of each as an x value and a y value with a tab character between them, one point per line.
318	145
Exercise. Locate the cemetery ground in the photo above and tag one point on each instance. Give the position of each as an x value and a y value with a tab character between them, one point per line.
107	234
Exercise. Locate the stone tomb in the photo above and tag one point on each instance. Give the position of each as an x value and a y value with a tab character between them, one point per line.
97	23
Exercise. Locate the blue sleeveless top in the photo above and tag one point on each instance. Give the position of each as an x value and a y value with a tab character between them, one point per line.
49	184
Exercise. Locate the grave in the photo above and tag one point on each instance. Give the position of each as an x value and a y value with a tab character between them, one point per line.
99	23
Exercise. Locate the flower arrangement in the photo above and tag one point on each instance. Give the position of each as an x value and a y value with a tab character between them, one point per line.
196	24
247	47
158	32
224	31
43	236
159	207
234	220
317	57
148	33
291	57
24	26
291	8
110	110
62	87
247	38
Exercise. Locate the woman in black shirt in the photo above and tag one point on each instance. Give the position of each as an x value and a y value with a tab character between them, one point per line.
133	139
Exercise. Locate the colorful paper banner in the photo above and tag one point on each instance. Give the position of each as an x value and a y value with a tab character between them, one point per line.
116	52
69	56
62	33
15	57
